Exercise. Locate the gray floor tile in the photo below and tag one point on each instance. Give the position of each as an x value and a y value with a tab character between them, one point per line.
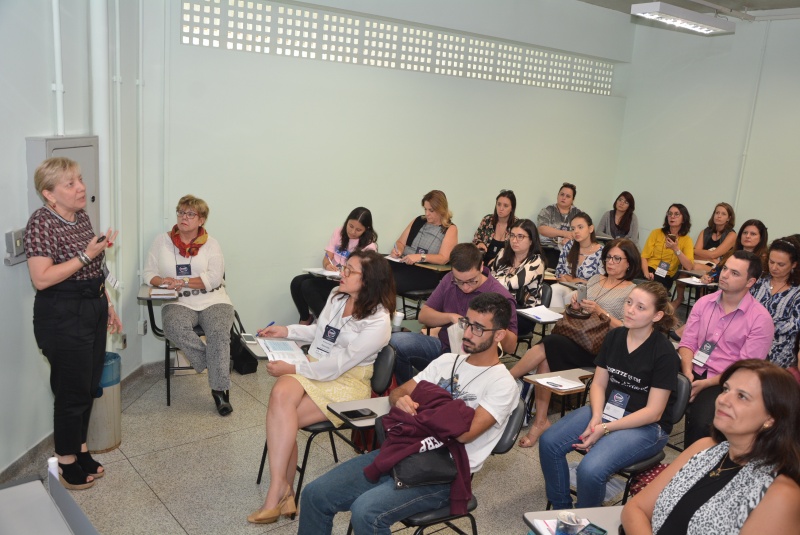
149	425
121	503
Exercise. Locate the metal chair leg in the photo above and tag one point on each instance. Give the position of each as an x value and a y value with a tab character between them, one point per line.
263	460
333	448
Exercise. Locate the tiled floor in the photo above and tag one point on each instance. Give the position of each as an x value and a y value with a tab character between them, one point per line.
184	469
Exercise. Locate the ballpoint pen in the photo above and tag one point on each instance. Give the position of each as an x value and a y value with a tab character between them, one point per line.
265	328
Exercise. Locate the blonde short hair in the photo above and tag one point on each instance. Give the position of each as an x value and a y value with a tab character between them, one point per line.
194	203
50	172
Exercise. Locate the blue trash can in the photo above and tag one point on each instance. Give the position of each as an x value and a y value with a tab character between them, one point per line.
105	425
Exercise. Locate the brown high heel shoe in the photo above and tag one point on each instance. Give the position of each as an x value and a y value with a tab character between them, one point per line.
286	506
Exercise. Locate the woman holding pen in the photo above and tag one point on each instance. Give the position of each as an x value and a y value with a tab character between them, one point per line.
310	292
352	328
428	238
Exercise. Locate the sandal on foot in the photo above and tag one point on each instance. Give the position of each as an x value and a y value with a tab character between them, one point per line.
73	477
533	436
89	465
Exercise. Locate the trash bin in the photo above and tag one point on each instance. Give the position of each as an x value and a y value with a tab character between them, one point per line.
105	425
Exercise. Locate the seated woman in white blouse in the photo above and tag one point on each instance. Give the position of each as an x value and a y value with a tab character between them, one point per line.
353	327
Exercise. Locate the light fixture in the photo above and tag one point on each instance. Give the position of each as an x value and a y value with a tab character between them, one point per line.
683	18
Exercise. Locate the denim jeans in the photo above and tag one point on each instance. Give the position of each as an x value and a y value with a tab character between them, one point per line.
408	345
375	506
611	453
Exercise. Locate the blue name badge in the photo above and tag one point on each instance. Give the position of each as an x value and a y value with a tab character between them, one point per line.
615	406
329	336
183	270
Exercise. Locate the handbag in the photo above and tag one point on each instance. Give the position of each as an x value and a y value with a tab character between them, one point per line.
243	361
588	332
431	467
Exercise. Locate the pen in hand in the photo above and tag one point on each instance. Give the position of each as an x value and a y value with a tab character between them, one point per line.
261	332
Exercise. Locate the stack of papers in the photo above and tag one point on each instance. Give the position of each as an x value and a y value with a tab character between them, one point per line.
541	314
559	383
163	293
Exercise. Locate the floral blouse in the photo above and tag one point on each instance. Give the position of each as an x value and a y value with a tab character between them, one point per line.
486	231
590	266
523	282
784	307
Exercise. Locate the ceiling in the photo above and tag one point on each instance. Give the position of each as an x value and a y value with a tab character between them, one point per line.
737	5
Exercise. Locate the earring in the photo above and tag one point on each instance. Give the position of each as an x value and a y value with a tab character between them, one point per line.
767	425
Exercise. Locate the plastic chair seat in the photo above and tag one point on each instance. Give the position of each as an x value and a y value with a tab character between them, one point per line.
437	516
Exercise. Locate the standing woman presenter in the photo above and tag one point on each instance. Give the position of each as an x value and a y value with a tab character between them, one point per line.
71	311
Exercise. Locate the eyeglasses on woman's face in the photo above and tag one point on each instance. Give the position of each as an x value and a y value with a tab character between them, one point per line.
477	329
347	271
183	213
518	237
615	259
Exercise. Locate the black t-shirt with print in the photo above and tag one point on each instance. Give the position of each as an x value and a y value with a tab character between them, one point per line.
654	364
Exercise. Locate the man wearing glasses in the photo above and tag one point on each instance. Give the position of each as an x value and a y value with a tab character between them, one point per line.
447	304
479	380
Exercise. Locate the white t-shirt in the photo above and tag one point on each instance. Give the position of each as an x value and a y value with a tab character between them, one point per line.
493	388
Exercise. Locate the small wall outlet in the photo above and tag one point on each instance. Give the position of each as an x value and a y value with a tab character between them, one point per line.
141	327
122	341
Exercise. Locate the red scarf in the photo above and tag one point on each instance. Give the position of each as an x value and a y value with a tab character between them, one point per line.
193	247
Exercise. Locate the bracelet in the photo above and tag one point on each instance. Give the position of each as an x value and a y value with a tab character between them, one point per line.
605	429
84	258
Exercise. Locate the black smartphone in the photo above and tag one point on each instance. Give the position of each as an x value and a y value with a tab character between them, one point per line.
592	529
359	414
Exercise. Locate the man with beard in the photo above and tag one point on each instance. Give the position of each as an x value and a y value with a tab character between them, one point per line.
478	379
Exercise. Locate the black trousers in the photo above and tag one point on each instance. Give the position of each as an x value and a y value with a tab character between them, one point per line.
700	413
665	281
310	293
408	278
70	329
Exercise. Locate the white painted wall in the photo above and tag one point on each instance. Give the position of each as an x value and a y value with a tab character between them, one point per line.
687	135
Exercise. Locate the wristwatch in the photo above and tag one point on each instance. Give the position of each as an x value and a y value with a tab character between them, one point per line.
186	281
423	256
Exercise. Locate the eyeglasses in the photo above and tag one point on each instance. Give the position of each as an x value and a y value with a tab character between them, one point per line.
187	215
673	214
347	271
472	282
623	200
517	237
615	259
477	329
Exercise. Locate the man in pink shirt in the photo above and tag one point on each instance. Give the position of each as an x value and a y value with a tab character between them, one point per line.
723	327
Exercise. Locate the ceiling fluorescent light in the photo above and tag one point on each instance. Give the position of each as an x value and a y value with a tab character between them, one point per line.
683	18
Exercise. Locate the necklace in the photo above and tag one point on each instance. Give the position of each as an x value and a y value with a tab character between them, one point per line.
781	287
718	470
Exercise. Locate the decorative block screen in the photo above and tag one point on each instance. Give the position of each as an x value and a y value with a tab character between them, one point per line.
323	34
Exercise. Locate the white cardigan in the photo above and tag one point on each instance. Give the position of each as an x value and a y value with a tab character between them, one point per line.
209	265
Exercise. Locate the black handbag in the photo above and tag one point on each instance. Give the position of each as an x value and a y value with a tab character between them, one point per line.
243	361
431	467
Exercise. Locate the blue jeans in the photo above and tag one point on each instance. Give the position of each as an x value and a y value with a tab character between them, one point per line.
611	453
408	345
375	506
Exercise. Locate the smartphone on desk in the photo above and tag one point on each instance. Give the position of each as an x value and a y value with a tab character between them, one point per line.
359	414
249	338
592	529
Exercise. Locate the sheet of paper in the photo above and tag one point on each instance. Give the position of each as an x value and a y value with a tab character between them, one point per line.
323	273
390	258
560	383
540	313
282	349
455	335
163	293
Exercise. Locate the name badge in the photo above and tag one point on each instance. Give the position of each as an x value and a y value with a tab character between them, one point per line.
702	354
328	339
615	406
421	250
183	270
344	253
662	269
110	279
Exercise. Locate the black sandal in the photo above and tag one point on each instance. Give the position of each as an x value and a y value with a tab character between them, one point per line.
73	477
222	400
89	465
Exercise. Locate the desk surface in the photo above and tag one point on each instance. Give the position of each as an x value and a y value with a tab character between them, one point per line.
576	374
144	295
434	267
379	406
607	518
